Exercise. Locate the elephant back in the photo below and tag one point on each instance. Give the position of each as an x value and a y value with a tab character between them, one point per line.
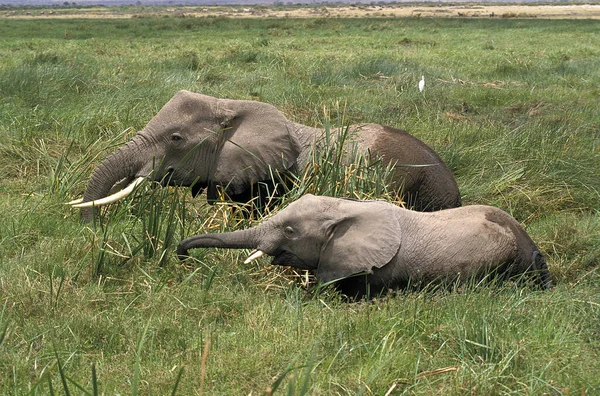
420	175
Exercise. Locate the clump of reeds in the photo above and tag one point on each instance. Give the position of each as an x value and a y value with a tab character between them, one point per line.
338	168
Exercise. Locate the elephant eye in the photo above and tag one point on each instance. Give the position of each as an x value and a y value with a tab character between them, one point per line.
176	137
288	231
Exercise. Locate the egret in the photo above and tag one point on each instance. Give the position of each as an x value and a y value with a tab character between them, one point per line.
422	84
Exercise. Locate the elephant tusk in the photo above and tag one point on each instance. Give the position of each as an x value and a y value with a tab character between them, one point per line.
75	201
253	256
112	198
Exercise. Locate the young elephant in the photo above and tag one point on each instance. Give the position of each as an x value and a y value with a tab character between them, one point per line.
389	246
233	148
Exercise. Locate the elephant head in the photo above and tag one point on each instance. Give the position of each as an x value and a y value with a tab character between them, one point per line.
201	142
322	234
371	246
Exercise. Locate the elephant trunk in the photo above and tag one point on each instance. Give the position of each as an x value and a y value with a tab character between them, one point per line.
121	166
242	239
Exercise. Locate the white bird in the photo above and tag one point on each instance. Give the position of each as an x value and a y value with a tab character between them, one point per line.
422	84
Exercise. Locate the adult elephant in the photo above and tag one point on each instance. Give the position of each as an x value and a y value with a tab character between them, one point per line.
372	246
233	147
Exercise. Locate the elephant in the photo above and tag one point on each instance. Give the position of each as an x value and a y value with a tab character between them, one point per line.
370	247
233	147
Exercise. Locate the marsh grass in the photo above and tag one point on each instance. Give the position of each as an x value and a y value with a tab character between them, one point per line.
108	308
337	168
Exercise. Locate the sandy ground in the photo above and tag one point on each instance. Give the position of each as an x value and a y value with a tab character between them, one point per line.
427	11
589	11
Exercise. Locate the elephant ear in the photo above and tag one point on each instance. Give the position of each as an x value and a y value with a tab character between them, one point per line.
364	235
259	142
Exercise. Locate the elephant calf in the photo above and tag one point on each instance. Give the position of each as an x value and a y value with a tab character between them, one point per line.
387	246
234	147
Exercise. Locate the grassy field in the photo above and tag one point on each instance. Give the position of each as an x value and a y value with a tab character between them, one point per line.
511	105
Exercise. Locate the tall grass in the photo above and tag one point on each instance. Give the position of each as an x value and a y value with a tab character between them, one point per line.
337	168
108	308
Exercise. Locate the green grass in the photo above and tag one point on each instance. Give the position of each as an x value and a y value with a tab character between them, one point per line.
109	307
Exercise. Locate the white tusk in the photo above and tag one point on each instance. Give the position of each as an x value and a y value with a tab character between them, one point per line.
254	255
75	201
112	198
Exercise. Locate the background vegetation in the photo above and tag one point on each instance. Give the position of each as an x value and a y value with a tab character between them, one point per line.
511	106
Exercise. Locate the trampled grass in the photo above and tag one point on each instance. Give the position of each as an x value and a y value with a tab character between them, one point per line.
108	306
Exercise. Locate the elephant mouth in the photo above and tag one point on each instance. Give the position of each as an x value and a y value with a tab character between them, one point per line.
286	258
166	177
283	258
171	178
198	188
216	192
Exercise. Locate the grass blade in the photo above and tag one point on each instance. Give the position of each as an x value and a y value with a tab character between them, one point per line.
63	377
94	380
174	391
138	358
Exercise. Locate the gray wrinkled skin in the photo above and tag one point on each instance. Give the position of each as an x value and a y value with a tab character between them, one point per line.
231	146
392	246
